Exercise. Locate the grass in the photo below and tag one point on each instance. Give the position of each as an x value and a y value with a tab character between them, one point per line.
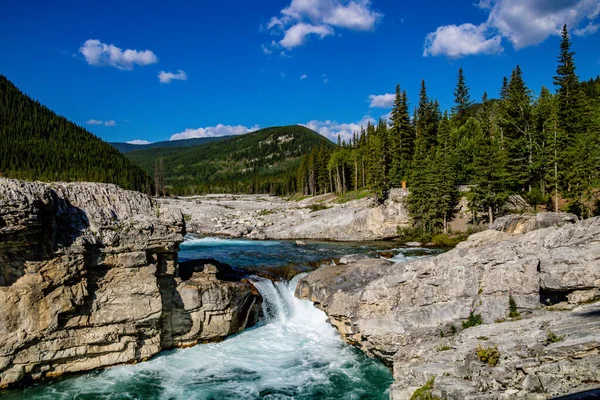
424	392
552	337
265	212
489	355
353	195
444	347
482	338
317	207
298	197
187	217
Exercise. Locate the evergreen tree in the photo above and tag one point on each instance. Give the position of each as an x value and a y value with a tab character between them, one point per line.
462	98
518	139
576	138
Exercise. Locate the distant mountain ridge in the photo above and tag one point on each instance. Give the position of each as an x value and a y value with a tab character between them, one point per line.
127	147
38	144
264	161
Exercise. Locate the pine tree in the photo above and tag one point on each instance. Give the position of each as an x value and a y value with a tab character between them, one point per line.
462	98
516	122
576	138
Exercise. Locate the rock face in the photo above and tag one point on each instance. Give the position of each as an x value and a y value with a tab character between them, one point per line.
89	278
398	312
267	217
523	223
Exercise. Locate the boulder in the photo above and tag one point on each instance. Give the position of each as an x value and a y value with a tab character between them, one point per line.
523	223
391	311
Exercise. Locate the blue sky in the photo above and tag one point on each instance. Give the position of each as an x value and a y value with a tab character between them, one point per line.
232	66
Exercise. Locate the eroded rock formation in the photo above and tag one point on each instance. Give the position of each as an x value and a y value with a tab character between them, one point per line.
89	278
269	217
404	313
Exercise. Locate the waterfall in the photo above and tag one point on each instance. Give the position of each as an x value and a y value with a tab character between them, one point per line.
279	303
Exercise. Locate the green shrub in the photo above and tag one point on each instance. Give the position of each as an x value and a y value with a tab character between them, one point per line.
424	392
444	347
317	207
489	355
473	320
482	338
412	234
553	338
512	307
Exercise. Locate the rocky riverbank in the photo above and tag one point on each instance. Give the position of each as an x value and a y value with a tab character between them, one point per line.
422	317
269	217
89	278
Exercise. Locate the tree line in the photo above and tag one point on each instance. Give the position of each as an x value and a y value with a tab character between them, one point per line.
545	148
37	144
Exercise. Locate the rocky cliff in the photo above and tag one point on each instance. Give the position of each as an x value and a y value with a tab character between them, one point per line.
411	314
89	278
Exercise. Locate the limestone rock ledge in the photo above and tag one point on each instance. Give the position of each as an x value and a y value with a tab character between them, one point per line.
404	313
89	278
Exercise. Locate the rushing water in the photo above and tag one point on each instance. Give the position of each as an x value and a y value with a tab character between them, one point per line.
293	354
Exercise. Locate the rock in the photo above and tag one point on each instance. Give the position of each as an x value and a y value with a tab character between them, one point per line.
583	296
352	258
300	243
268	217
413	244
523	223
89	279
399	312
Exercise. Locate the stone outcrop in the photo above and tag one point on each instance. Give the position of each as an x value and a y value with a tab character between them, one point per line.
398	312
523	223
89	278
268	217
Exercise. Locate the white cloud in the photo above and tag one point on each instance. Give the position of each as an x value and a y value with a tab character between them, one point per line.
282	75
214	131
93	122
266	50
382	100
463	40
296	35
331	129
320	17
139	142
101	54
167	77
304	76
590	29
110	123
325	79
522	22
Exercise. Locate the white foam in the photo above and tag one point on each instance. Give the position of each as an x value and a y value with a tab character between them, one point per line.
294	352
214	242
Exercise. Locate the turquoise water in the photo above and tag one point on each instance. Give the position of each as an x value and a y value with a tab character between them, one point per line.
293	354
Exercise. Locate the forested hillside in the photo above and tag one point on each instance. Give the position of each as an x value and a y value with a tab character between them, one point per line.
127	147
264	161
545	147
37	144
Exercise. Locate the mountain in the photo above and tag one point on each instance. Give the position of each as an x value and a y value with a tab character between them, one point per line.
38	144
127	147
263	161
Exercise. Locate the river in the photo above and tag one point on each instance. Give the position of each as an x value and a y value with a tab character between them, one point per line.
292	354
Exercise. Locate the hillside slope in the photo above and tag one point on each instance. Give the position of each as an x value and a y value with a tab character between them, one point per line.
127	147
264	161
38	144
